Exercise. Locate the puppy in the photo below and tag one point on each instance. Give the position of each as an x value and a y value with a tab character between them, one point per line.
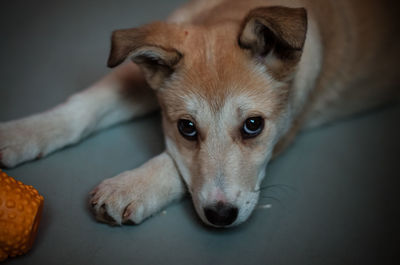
235	82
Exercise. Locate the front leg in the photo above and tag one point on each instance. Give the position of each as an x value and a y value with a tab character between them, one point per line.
137	194
119	96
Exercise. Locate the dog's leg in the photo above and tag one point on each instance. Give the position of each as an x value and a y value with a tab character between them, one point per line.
137	194
119	96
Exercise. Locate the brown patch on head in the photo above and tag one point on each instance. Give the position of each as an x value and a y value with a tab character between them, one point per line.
214	67
275	36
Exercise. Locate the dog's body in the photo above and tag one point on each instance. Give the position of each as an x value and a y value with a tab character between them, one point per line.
219	66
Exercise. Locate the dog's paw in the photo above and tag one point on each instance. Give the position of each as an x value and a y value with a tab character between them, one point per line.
19	142
126	198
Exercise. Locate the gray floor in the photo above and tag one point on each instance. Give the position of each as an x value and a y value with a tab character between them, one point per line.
337	198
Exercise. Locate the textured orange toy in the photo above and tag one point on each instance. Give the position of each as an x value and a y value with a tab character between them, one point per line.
20	211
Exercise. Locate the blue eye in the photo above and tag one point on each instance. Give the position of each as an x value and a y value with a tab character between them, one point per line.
187	129
252	127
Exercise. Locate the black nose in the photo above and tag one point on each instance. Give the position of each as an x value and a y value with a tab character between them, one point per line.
221	214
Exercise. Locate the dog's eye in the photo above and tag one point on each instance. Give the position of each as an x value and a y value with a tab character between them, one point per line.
252	127
188	129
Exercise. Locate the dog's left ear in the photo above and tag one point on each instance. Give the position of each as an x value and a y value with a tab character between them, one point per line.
150	47
275	36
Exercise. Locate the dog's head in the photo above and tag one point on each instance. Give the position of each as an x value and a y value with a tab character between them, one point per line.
224	93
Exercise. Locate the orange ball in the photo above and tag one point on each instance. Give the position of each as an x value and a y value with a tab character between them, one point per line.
20	212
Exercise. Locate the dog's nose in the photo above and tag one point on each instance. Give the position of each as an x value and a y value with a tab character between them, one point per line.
221	214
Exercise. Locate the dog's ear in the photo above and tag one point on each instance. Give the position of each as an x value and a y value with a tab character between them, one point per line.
149	47
275	36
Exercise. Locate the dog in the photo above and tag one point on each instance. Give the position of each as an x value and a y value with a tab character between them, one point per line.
235	82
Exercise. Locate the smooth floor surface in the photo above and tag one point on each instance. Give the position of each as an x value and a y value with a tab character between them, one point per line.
331	198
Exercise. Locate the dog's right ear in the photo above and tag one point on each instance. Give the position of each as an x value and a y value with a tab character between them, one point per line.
147	46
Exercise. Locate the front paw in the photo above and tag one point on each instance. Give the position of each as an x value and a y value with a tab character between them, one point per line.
125	198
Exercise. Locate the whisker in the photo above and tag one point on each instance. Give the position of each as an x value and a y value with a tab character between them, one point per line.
270	197
281	186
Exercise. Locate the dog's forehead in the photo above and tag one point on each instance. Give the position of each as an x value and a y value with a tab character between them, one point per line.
227	111
218	79
231	105
215	98
212	57
220	110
